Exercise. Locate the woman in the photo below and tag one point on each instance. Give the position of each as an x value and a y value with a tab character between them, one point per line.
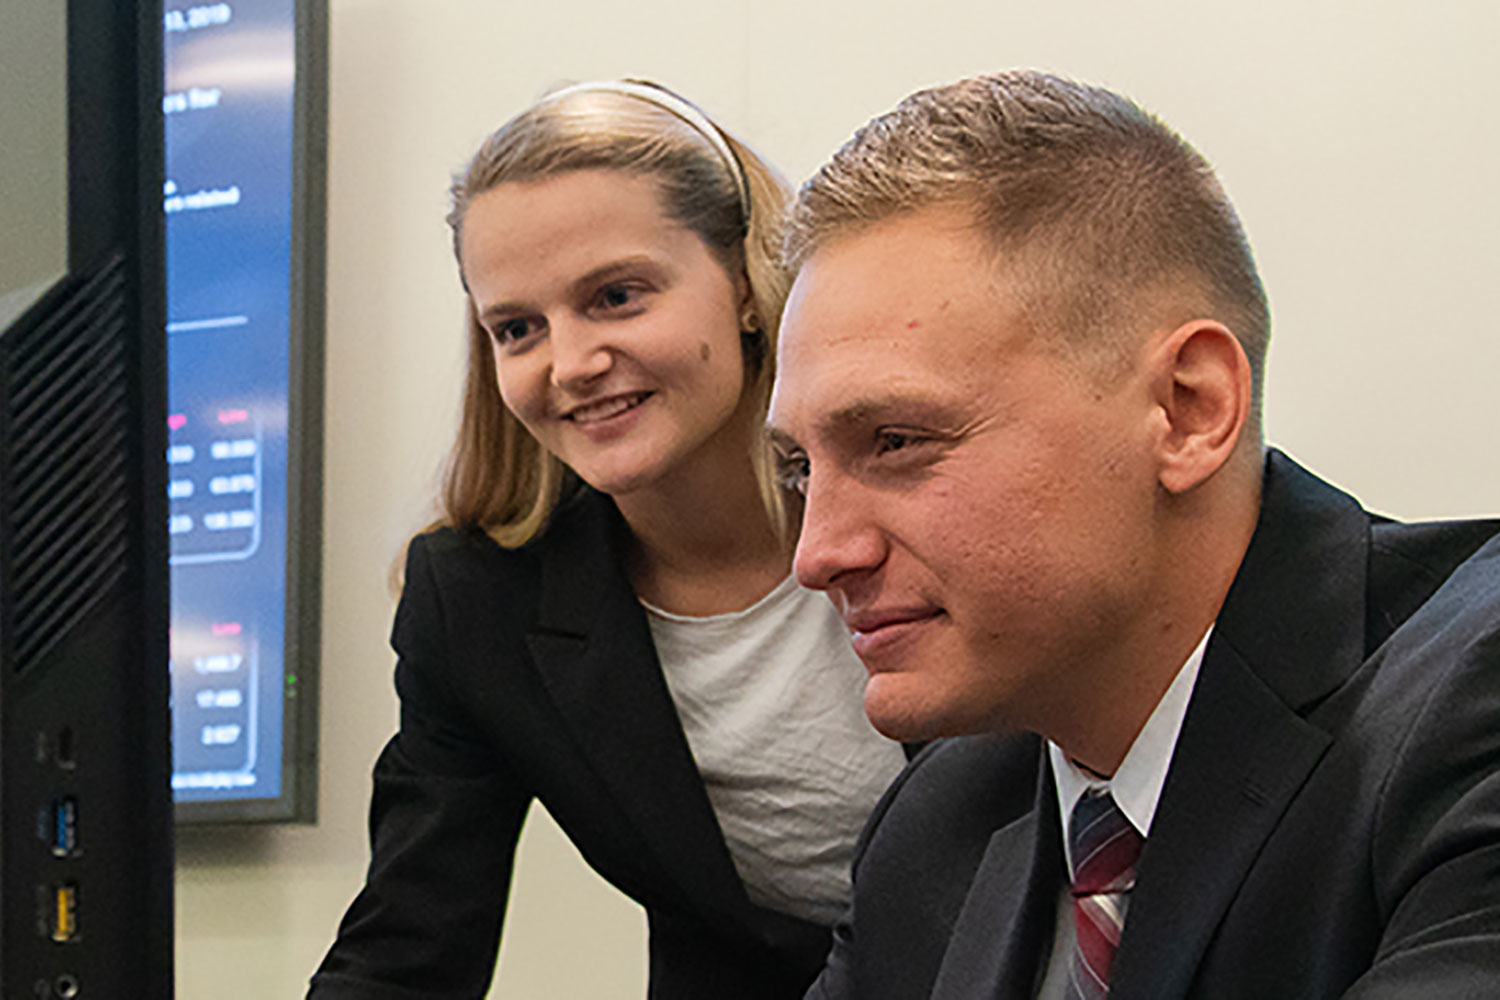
605	619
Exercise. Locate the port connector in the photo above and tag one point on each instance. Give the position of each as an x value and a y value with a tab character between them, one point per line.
64	826
67	986
65	912
66	751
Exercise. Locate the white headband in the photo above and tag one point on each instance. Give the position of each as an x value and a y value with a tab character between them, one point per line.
668	101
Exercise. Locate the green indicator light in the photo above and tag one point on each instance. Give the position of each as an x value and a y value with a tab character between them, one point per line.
291	678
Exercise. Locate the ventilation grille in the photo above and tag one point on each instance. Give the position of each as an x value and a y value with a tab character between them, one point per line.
67	498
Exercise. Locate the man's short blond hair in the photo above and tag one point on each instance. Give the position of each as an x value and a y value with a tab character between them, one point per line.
1108	219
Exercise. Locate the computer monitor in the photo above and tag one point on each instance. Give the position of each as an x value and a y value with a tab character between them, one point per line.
85	804
244	109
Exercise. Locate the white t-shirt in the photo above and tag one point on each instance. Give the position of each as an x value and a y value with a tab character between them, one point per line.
772	701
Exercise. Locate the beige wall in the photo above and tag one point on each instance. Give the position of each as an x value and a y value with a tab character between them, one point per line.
1358	139
34	155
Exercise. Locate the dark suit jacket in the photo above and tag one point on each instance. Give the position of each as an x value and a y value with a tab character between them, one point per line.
1330	823
531	674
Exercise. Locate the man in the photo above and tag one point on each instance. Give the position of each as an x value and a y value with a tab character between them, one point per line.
1222	733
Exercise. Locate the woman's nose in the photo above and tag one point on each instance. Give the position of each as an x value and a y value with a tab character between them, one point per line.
579	356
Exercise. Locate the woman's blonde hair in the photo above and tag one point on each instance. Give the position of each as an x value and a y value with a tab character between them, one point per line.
497	477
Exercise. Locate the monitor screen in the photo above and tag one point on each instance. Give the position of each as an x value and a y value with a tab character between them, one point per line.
242	408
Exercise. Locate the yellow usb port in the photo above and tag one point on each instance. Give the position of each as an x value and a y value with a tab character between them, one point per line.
65	912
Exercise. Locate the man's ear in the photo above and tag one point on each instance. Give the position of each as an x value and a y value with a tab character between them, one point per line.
1201	382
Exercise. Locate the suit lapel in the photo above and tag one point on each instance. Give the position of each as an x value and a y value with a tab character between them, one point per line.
1004	931
1240	760
1291	631
593	649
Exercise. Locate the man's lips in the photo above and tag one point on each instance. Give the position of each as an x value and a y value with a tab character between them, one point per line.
603	409
875	630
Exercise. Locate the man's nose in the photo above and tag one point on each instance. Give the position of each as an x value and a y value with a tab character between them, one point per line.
838	540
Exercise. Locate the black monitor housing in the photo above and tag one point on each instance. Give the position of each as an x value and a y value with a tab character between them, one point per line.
85	800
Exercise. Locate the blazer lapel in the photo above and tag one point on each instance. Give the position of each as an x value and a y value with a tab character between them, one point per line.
1291	632
1242	758
1004	932
593	648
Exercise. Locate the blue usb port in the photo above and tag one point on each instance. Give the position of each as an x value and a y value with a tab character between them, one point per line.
64	826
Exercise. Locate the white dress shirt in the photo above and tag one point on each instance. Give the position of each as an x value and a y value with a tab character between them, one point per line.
1136	787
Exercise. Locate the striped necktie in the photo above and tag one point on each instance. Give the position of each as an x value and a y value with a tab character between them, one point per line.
1104	847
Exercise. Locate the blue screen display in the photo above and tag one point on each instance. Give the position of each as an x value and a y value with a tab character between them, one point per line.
230	79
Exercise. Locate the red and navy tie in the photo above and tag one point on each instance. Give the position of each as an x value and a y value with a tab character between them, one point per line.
1104	847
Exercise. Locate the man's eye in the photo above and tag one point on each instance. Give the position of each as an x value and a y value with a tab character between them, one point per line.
887	441
792	472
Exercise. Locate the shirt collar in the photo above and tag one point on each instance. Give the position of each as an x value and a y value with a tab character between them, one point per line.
1137	782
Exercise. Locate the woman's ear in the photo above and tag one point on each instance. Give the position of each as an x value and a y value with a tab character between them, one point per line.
1201	383
749	314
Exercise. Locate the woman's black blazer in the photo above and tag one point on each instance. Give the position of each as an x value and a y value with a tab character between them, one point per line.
531	673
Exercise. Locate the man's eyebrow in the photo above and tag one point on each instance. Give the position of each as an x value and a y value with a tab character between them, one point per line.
859	411
862	410
850	416
781	440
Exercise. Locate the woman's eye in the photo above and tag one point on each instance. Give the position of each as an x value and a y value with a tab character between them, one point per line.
618	296
510	331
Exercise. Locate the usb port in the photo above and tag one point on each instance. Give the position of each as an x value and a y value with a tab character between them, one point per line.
65	912
66	752
64	826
